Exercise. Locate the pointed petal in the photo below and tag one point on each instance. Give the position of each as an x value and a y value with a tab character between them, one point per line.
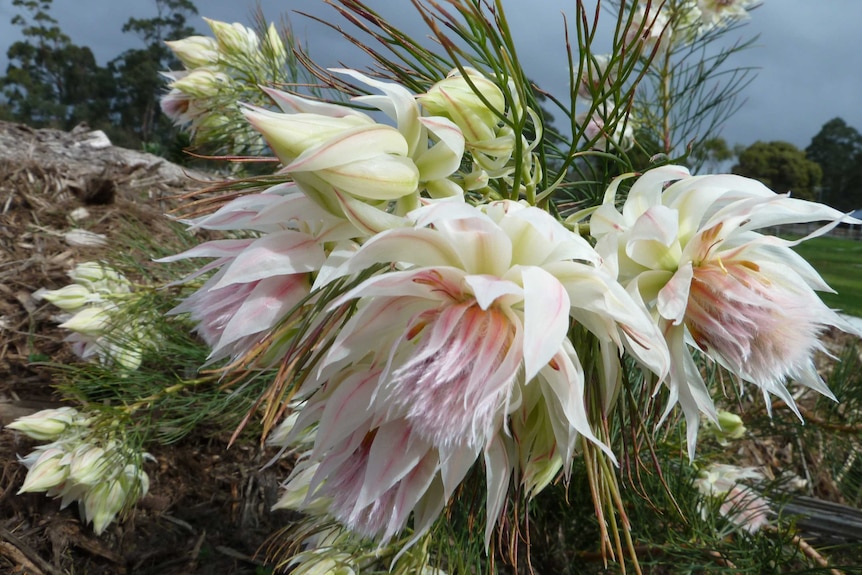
367	219
345	410
212	249
546	318
673	297
498	471
270	300
488	289
394	453
382	177
295	104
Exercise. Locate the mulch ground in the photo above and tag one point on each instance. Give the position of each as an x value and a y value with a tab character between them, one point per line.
208	509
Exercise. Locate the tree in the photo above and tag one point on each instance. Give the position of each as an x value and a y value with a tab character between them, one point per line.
782	167
837	148
710	153
49	80
136	71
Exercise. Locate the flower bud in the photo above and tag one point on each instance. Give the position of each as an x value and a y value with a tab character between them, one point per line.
195	51
69	298
295	495
85	238
234	39
92	321
456	99
540	472
47	472
99	277
46	425
349	153
276	45
731	424
202	83
103	502
89	465
591	78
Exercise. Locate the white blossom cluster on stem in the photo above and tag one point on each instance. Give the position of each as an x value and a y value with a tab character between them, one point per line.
436	322
101	473
93	304
216	67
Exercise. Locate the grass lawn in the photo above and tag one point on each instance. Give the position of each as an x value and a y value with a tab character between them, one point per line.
839	261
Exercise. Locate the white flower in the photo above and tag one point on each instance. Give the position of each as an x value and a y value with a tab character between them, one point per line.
719	12
350	164
420	380
104	475
687	246
262	278
607	129
596	76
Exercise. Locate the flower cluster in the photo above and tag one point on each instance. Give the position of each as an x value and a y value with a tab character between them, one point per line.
217	67
430	312
738	503
463	332
103	474
659	26
92	303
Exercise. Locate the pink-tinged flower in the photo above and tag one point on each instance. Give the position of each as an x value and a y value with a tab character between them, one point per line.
740	505
479	302
369	472
597	76
720	12
260	279
480	296
648	29
687	246
607	129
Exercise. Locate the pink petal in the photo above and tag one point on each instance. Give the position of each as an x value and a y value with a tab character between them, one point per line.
281	253
212	249
394	453
270	300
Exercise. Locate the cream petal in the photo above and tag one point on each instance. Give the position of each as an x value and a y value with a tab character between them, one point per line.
672	299
368	219
350	145
383	177
546	318
488	289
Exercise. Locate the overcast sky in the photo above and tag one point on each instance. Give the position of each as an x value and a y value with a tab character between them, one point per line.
808	51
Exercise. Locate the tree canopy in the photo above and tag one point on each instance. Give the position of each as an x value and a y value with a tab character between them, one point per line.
782	167
52	82
837	149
